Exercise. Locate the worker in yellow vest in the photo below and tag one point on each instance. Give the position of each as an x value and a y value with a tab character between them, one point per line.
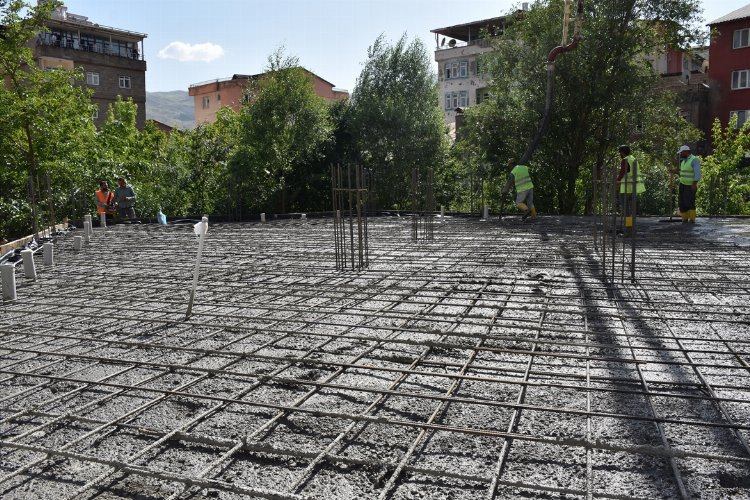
520	179
690	174
630	185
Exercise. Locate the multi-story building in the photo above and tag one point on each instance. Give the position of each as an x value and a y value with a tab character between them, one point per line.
685	74
729	68
461	81
111	59
209	96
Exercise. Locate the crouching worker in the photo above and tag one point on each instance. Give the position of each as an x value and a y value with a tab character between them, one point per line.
520	179
628	178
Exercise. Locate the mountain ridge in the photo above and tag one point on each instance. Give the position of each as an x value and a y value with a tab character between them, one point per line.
173	108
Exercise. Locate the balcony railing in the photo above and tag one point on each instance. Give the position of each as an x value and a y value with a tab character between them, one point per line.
484	43
98	46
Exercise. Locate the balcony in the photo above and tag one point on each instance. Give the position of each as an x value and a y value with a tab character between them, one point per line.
95	47
484	43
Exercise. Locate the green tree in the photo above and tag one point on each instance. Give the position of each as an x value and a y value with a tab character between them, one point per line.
46	124
283	126
396	124
606	92
725	183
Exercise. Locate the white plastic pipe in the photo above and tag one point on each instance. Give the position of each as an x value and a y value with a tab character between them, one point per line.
338	214
29	270
87	231
48	250
200	229
442	211
87	218
102	220
486	212
77	243
304	217
263	217
8	274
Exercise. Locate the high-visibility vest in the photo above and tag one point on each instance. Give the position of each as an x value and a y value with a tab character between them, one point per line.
104	199
626	185
687	175
522	178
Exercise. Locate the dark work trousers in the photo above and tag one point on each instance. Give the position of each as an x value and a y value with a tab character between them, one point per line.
687	198
626	204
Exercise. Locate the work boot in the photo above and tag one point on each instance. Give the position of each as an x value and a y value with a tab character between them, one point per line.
533	213
522	206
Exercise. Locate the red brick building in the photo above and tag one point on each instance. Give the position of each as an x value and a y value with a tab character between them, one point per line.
729	66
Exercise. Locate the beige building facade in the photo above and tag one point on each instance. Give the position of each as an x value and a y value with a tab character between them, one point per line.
461	81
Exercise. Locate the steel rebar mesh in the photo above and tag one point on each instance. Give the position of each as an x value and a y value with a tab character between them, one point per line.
495	361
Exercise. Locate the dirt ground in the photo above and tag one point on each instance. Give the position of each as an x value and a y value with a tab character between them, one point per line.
501	359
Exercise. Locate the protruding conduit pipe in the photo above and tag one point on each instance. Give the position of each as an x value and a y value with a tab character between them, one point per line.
200	229
29	269
8	274
560	49
48	250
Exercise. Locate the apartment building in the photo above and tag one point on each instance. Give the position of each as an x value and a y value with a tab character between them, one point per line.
111	59
729	69
211	95
461	81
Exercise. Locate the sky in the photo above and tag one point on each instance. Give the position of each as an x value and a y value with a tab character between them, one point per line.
191	41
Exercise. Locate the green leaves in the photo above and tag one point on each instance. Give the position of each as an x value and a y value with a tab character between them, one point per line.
395	121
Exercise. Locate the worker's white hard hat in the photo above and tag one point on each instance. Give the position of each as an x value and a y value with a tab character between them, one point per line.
683	148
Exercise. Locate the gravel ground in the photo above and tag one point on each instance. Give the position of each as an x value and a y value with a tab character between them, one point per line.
500	360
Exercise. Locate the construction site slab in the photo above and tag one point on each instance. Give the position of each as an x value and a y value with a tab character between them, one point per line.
498	359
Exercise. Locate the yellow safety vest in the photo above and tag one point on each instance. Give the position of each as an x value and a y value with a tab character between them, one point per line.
687	174
522	178
626	185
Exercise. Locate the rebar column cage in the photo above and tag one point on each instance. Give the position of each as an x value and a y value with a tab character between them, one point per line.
423	221
618	254
349	209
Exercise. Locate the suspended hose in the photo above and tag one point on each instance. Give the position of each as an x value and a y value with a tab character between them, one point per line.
560	49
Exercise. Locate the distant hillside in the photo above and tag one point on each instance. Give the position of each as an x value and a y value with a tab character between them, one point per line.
175	108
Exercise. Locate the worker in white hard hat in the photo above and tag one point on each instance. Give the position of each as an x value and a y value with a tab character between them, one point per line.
690	174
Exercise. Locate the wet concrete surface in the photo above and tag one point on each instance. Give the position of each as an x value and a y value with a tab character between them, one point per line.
502	358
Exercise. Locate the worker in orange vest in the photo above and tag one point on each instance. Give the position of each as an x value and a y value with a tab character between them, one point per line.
104	199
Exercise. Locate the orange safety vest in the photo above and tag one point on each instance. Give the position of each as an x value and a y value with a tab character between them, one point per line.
105	199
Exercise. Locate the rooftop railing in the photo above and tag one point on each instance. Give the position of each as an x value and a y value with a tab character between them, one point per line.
96	46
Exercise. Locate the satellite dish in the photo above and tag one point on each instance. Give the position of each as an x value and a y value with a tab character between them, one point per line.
452	43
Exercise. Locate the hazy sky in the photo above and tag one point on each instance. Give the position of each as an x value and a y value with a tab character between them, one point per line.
190	41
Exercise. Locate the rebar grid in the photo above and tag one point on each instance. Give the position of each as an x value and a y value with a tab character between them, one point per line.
495	361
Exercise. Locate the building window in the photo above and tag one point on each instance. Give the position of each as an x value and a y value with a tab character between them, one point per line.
206	102
741	38
741	79
456	69
463	99
742	116
124	82
95	114
482	94
455	100
92	78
